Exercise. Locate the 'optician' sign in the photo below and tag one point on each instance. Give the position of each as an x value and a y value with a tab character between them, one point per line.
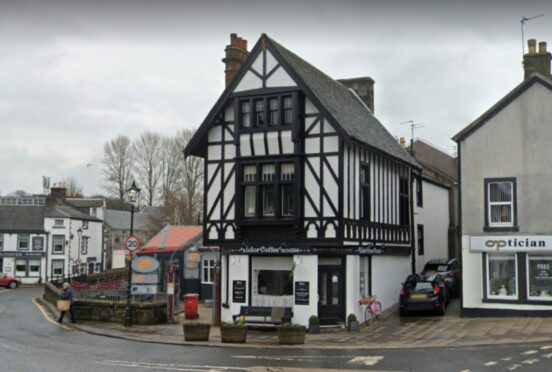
511	243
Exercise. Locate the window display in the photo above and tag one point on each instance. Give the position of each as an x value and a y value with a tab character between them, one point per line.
501	276
539	274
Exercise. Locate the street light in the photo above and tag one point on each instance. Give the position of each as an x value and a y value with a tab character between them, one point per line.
79	247
133	192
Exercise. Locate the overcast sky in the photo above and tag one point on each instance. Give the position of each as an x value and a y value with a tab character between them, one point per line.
74	74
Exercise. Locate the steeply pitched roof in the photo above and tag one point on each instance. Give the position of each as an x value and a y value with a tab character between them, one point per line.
350	116
120	220
536	78
21	218
65	211
172	237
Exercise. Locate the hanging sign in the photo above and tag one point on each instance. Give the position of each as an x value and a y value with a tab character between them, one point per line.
145	264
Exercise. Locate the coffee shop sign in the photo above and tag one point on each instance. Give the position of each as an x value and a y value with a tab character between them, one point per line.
511	243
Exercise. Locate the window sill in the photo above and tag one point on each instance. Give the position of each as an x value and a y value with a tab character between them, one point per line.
501	300
501	229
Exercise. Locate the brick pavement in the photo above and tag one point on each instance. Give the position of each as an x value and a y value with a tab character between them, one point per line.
393	332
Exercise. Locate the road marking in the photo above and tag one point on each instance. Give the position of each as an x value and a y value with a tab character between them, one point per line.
529	352
530	361
506	359
547	356
547	347
366	360
514	367
490	364
168	367
7	347
47	317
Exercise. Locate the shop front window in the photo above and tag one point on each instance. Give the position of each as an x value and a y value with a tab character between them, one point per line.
275	282
20	268
501	276
539	274
34	268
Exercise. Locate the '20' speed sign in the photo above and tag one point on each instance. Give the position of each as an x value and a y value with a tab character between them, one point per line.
132	243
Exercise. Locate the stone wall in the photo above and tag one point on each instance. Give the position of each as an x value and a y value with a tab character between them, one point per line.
112	311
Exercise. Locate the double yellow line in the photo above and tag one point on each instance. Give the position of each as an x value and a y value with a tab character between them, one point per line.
48	318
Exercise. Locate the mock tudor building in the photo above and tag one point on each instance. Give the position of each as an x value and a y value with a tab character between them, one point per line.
306	193
504	173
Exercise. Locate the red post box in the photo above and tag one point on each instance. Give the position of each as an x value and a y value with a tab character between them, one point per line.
191	301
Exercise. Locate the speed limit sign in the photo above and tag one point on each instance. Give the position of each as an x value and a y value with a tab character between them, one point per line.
132	243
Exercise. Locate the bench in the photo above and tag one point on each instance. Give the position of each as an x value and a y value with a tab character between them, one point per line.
264	315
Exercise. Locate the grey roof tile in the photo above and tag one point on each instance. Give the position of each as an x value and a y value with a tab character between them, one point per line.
21	218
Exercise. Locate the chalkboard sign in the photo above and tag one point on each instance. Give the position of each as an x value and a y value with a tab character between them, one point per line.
301	293
238	291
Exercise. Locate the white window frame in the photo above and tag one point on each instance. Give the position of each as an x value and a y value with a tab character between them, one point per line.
37	238
499	297
529	297
510	203
210	265
54	244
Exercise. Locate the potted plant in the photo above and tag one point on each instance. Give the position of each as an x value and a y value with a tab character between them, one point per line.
233	332
314	325
352	323
291	334
196	331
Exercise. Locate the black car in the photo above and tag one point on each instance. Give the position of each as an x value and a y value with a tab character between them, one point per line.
423	292
449	269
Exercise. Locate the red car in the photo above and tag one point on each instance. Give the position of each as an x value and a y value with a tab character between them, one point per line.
9	281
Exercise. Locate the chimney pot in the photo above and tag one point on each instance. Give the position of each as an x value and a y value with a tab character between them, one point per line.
236	54
542	47
532	44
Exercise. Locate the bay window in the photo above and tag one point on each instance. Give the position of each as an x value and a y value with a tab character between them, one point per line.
259	113
273	185
273	111
254	113
245	114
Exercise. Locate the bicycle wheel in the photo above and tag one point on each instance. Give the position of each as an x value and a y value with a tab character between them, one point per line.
377	309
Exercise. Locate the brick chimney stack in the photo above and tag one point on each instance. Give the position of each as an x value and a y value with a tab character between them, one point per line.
236	53
535	61
57	196
363	87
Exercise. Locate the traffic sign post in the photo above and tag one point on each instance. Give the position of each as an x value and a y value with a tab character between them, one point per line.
132	243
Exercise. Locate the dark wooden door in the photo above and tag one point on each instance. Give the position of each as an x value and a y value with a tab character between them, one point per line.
331	294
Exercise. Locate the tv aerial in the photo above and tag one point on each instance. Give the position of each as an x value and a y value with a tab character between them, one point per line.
523	21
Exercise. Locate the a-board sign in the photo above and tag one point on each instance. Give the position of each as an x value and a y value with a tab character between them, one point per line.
302	293
238	291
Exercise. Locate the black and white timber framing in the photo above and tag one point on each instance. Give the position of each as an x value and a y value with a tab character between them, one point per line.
328	137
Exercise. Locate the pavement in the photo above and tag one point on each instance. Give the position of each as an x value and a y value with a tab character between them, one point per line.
393	332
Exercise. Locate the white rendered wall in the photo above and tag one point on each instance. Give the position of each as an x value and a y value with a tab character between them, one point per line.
388	272
352	286
238	270
306	270
434	215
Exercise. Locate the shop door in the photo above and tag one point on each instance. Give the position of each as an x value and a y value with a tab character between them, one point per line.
331	296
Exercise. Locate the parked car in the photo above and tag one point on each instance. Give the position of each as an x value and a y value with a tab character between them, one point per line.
449	269
9	281
423	293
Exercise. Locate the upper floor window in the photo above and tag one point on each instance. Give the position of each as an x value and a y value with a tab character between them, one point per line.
58	243
58	223
500	195
269	111
23	242
272	185
365	192
1	241
38	243
419	192
84	225
84	245
93	211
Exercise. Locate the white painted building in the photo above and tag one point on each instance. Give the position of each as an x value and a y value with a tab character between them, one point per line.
306	193
504	175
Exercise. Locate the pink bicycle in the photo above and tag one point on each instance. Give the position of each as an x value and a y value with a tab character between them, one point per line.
373	309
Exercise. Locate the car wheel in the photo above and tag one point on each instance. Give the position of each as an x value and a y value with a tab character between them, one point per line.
12	285
403	312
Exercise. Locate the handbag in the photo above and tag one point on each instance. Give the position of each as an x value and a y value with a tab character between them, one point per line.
63	305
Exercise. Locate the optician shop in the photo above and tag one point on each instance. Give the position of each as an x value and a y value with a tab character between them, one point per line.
508	274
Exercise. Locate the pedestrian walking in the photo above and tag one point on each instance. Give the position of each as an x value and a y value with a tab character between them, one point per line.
67	295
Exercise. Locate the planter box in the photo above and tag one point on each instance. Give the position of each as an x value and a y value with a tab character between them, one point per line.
354	326
291	336
314	329
196	332
233	335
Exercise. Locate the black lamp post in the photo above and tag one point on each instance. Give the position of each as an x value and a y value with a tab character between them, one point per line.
133	192
79	247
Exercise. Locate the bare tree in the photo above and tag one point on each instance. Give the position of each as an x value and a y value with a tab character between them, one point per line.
72	187
191	181
171	163
147	150
117	164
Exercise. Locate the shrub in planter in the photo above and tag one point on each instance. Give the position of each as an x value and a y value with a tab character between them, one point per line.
291	334
314	325
196	331
352	323
235	332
